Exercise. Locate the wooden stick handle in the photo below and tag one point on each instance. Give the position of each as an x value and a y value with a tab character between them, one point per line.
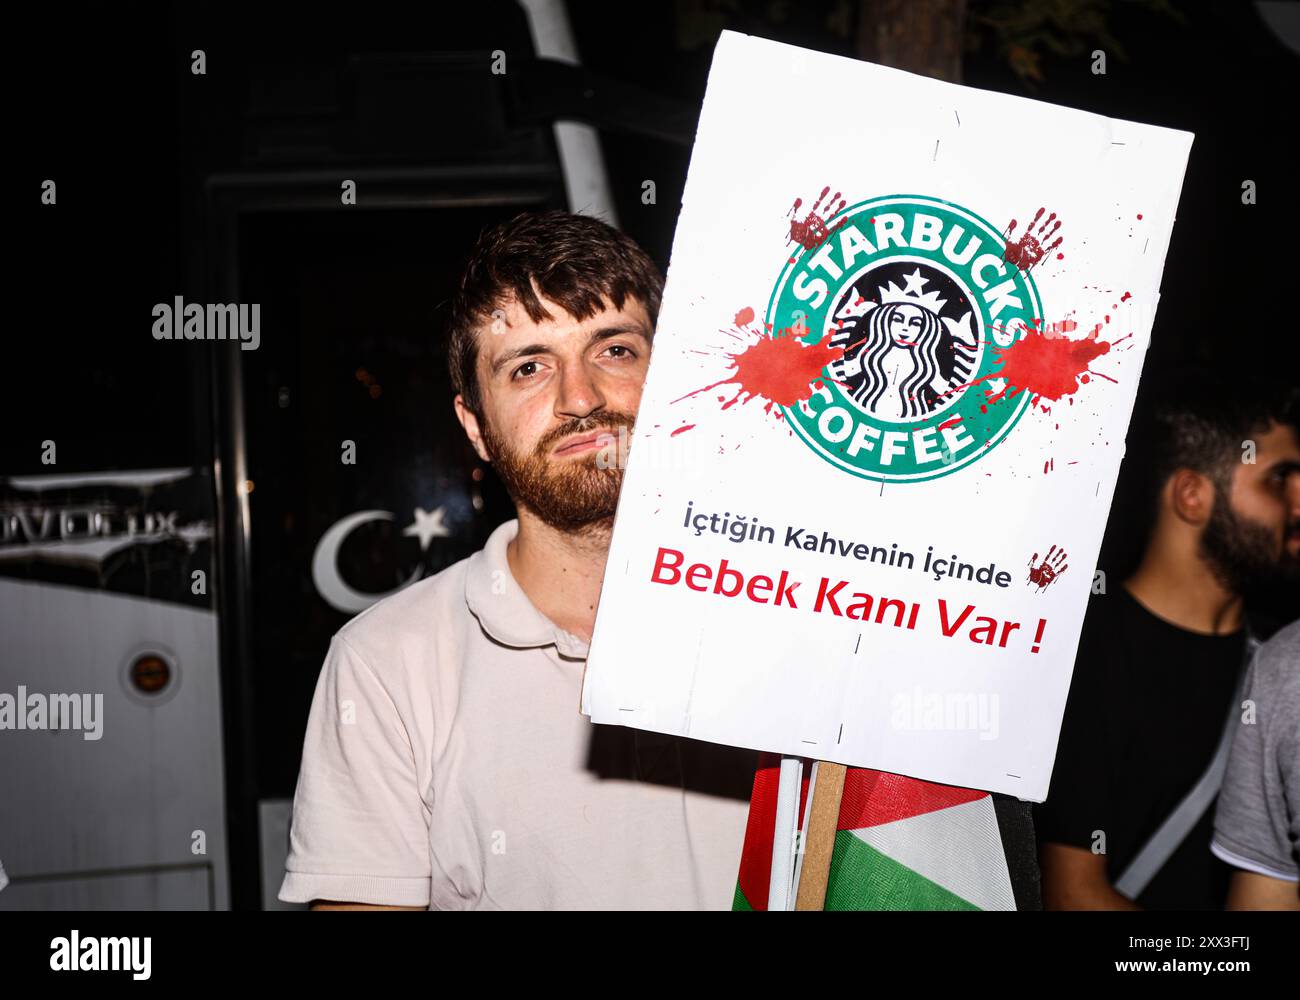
819	838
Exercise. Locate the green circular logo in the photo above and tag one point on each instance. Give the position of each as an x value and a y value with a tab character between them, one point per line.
917	293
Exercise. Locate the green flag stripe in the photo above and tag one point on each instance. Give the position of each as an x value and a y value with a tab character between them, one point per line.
740	902
861	878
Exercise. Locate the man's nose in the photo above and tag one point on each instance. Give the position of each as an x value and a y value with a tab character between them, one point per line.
579	394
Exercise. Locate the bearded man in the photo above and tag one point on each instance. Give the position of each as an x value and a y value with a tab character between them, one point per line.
1155	700
446	764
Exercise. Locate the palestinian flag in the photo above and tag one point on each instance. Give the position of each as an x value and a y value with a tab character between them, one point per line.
901	844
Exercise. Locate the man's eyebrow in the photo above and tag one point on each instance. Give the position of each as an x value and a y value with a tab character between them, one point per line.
1286	466
603	333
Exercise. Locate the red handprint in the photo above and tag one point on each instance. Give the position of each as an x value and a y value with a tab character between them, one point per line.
1052	566
812	231
1032	246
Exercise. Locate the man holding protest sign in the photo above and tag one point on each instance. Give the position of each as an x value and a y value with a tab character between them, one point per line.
446	764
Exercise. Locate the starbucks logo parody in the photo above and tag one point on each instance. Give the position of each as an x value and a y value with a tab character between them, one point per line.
917	293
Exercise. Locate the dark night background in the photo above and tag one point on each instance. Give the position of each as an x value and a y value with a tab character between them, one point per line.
106	106
148	159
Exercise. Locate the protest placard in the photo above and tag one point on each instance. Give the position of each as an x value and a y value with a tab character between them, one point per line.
901	337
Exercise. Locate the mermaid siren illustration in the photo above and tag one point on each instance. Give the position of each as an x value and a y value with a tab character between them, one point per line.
908	349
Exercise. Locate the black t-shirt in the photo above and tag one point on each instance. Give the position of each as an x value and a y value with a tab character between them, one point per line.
1148	703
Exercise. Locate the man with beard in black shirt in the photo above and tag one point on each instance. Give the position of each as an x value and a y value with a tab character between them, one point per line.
1159	657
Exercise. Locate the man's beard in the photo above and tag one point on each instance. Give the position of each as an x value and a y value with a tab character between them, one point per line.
568	494
1243	554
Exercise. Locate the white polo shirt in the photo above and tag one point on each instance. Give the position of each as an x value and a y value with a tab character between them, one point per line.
446	764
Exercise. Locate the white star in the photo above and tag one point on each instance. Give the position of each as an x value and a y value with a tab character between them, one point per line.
915	283
427	526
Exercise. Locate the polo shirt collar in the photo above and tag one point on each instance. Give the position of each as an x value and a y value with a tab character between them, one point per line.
501	606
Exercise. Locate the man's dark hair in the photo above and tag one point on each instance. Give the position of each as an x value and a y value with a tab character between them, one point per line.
1200	420
575	260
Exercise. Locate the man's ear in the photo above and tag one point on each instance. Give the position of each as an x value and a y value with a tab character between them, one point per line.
1191	496
472	430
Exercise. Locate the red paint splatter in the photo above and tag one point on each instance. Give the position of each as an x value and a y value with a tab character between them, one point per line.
684	427
1047	366
1058	329
1139	215
745	316
1043	574
781	369
1126	296
950	422
1032	246
812	231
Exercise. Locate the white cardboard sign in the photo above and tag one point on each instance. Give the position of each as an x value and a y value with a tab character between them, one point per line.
900	341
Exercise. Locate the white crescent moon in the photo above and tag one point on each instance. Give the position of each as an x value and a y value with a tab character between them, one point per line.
325	566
